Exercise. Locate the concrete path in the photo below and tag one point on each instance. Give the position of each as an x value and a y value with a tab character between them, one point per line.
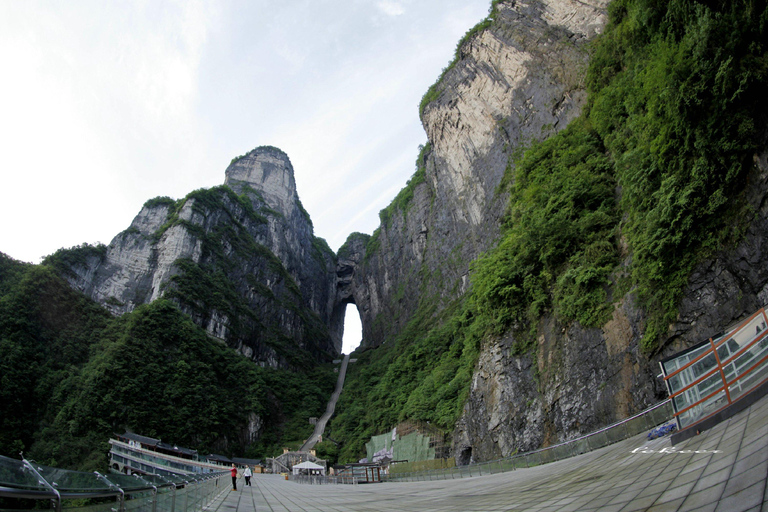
620	477
320	426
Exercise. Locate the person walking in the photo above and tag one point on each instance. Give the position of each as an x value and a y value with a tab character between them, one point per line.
247	474
234	477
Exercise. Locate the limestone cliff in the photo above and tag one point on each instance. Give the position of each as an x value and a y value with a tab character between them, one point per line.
240	259
520	78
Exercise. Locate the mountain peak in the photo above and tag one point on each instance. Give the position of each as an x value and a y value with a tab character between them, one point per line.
268	170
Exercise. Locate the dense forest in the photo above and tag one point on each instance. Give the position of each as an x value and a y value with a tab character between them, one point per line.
71	375
644	185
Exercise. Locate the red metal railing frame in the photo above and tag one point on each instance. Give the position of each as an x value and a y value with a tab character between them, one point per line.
720	367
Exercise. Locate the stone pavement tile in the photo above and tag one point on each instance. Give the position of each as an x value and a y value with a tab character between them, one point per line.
743	500
689	476
584	504
693	506
612	508
680	461
698	465
738	421
646	479
676	492
571	507
723	460
612	492
732	435
664	478
709	507
627	495
756	430
750	460
654	490
640	504
713	480
737	483
729	446
757	437
601	502
669	506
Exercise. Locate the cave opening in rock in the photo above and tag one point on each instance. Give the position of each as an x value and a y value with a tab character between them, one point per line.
353	329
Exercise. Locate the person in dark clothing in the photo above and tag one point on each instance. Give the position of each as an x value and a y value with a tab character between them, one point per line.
234	477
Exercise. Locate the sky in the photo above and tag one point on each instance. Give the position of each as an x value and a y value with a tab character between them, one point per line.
104	105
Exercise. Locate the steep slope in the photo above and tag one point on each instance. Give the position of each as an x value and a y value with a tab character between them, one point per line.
631	234
72	375
241	259
518	77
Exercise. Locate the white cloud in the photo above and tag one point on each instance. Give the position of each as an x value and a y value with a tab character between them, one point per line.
105	105
390	8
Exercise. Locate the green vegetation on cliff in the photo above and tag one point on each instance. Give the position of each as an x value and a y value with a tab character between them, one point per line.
558	250
71	375
434	91
647	183
674	117
403	200
677	93
423	375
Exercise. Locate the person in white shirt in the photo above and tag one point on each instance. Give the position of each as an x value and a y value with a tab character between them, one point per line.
247	474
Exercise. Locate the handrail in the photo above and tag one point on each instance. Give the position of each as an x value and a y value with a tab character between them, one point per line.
720	341
23	480
510	463
43	481
706	402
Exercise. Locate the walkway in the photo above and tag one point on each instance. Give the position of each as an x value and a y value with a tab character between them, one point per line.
320	426
611	479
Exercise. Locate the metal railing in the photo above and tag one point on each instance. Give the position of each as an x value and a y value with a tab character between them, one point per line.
325	480
637	424
712	375
113	492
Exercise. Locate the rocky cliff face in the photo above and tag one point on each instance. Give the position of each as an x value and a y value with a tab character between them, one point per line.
581	379
241	259
521	79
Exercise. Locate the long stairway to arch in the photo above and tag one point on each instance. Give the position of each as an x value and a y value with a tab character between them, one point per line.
321	422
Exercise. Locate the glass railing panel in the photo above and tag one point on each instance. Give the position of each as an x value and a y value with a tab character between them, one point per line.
750	331
563	451
686	399
692	373
72	481
164	500
14	474
580	446
678	362
107	506
702	366
126	482
661	414
749	381
727	349
636	426
702	410
141	503
710	384
533	459
156	480
614	435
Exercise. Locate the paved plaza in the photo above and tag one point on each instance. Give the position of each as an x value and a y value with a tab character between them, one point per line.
728	474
